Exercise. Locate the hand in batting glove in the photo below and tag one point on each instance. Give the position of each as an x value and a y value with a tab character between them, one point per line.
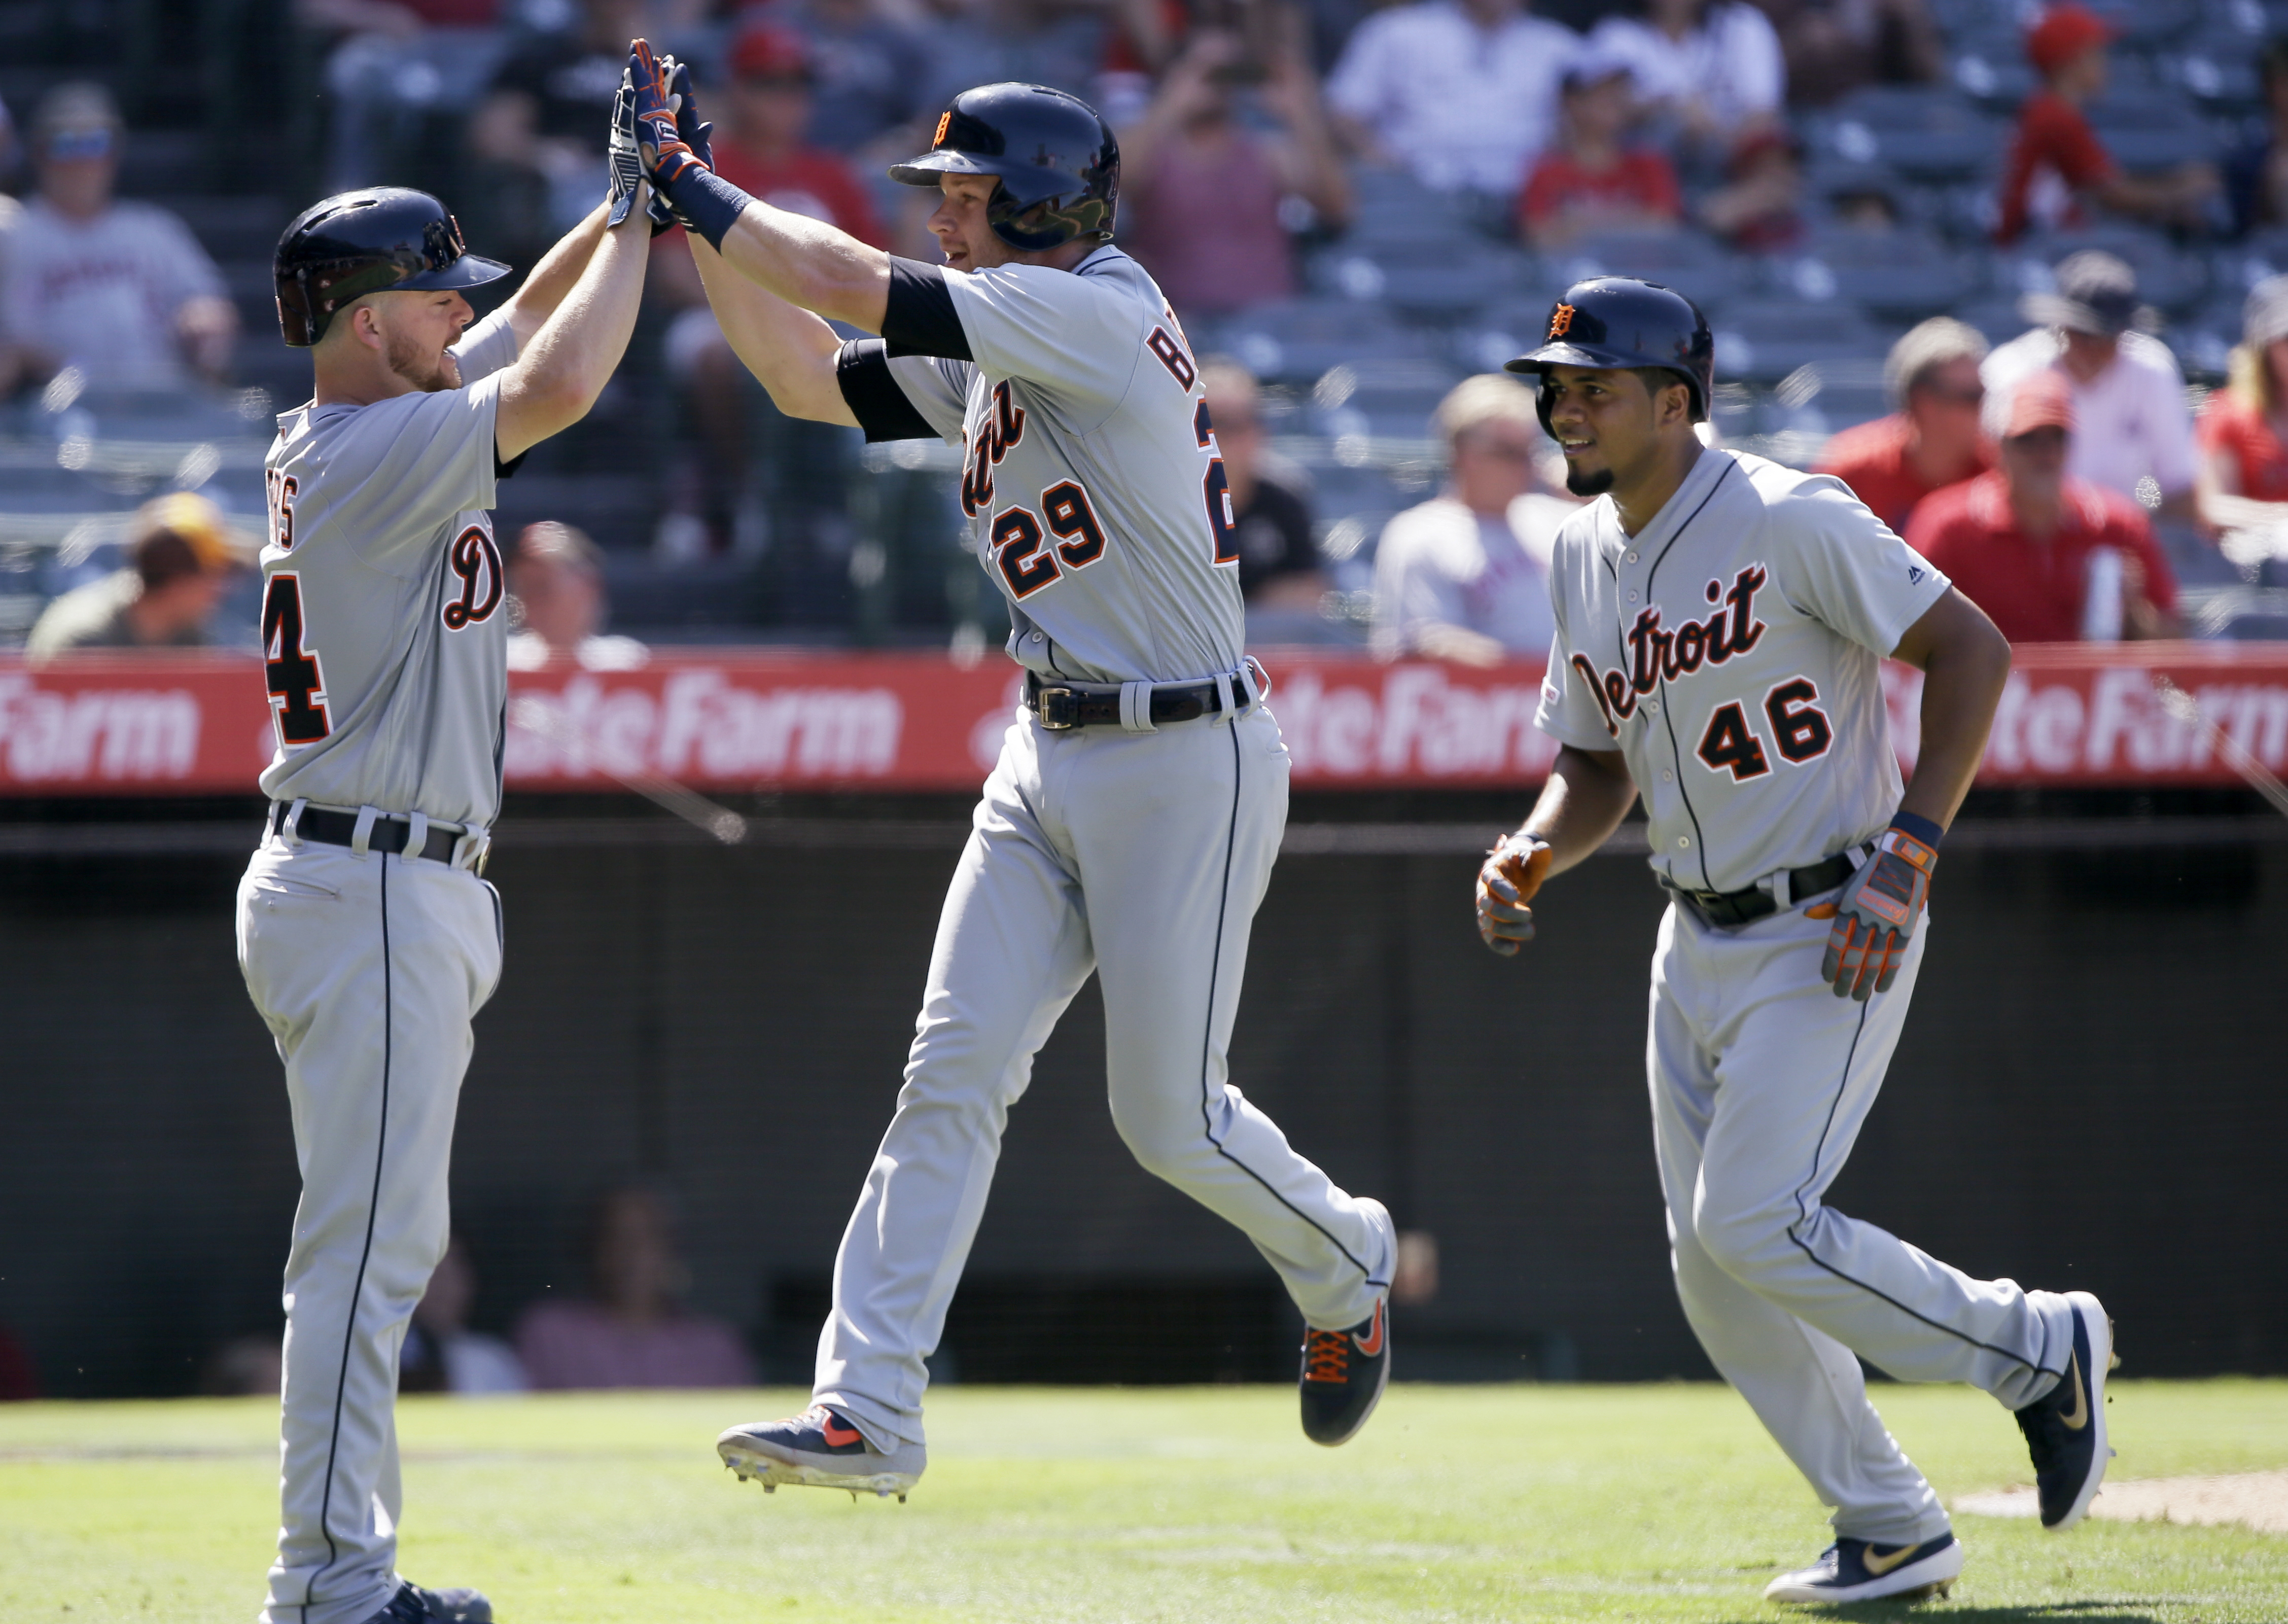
1875	915
694	135
667	156
624	165
1512	874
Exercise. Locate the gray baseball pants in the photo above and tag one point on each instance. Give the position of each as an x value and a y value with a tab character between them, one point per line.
368	969
1140	856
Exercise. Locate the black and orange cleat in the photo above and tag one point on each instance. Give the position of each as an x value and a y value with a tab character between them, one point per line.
819	1449
1344	1374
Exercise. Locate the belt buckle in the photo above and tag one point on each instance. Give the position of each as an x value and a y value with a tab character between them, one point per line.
1058	708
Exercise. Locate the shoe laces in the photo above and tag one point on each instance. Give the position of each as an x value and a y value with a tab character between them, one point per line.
1327	1356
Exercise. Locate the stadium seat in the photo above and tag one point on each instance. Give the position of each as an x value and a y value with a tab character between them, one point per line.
1898	274
2153	130
1424	280
1386	399
2167	278
1763	340
1696	266
1926	132
1824	397
1296	341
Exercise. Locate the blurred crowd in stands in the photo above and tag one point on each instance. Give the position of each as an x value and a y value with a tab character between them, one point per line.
2015	260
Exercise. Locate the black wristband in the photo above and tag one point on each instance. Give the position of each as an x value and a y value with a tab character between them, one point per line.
1909	823
711	203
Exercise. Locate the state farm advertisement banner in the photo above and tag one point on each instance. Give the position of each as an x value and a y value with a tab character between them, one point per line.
741	720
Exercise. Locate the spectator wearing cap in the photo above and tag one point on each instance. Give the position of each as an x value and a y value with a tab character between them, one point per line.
1465	576
557	603
1193	158
1279	564
2256	175
2244	427
761	147
121	290
2056	163
1712	68
180	561
2050	558
1462	92
869	69
2135	433
1933	439
1589	180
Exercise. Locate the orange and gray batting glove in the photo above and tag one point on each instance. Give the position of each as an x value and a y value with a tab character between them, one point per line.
1513	871
1880	905
667	156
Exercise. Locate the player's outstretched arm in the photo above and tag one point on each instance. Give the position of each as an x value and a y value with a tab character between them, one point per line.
556	275
803	261
1588	793
1964	662
557	378
791	351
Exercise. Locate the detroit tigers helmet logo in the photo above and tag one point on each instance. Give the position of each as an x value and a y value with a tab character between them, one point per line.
1560	321
944	124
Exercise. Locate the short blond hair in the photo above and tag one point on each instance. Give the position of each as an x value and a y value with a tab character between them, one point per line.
1926	346
1490	397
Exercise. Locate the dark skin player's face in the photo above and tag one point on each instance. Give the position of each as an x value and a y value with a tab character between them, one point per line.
1610	426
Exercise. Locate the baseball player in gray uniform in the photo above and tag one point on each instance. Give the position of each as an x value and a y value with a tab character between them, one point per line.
368	939
1720	623
1131	825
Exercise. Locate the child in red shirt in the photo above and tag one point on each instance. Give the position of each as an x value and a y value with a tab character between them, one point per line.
1590	182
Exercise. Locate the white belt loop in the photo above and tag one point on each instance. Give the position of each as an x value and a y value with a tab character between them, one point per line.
361	837
470	851
1136	708
417	835
1258	680
1226	692
291	829
1783	889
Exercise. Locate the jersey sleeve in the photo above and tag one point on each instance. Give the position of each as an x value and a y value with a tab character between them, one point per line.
1073	335
1569	710
486	347
406	466
1833	559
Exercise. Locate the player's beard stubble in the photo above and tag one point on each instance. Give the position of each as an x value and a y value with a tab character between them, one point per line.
427	370
1584	483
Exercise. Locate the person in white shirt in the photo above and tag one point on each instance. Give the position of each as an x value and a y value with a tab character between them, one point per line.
441	1354
1463	92
556	589
2133	432
121	290
1466	575
1713	66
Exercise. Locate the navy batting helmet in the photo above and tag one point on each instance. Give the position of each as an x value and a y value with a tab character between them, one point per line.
376	240
1058	163
1620	322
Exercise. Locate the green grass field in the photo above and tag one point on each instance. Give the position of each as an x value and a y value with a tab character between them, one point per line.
1061	1505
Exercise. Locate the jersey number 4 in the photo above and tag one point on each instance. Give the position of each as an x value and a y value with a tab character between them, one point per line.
298	687
1800	728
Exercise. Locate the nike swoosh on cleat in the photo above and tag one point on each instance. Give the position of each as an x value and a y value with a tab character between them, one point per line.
835	1435
2077	1416
1370	1344
1876	1566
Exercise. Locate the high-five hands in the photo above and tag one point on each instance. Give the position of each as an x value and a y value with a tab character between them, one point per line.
1513	871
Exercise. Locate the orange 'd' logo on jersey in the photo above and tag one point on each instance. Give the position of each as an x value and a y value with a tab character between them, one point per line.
1657	655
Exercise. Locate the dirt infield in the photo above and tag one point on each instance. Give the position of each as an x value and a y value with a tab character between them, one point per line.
2253	1500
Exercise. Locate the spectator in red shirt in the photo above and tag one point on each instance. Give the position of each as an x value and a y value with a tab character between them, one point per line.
2056	162
2243	480
759	148
1589	182
2050	559
1933	439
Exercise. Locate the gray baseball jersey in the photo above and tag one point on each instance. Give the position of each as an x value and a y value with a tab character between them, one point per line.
1731	652
384	650
1091	472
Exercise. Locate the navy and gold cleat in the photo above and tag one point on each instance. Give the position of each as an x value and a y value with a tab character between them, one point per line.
412	1605
2065	1427
1344	1374
1858	1571
819	1449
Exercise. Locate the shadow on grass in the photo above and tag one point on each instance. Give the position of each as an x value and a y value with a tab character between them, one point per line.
2092	1612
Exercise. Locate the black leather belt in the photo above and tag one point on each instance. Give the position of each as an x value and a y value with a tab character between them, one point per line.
1061	706
389	832
1725	908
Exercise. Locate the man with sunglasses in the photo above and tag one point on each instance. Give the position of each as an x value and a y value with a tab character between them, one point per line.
1933	440
121	290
